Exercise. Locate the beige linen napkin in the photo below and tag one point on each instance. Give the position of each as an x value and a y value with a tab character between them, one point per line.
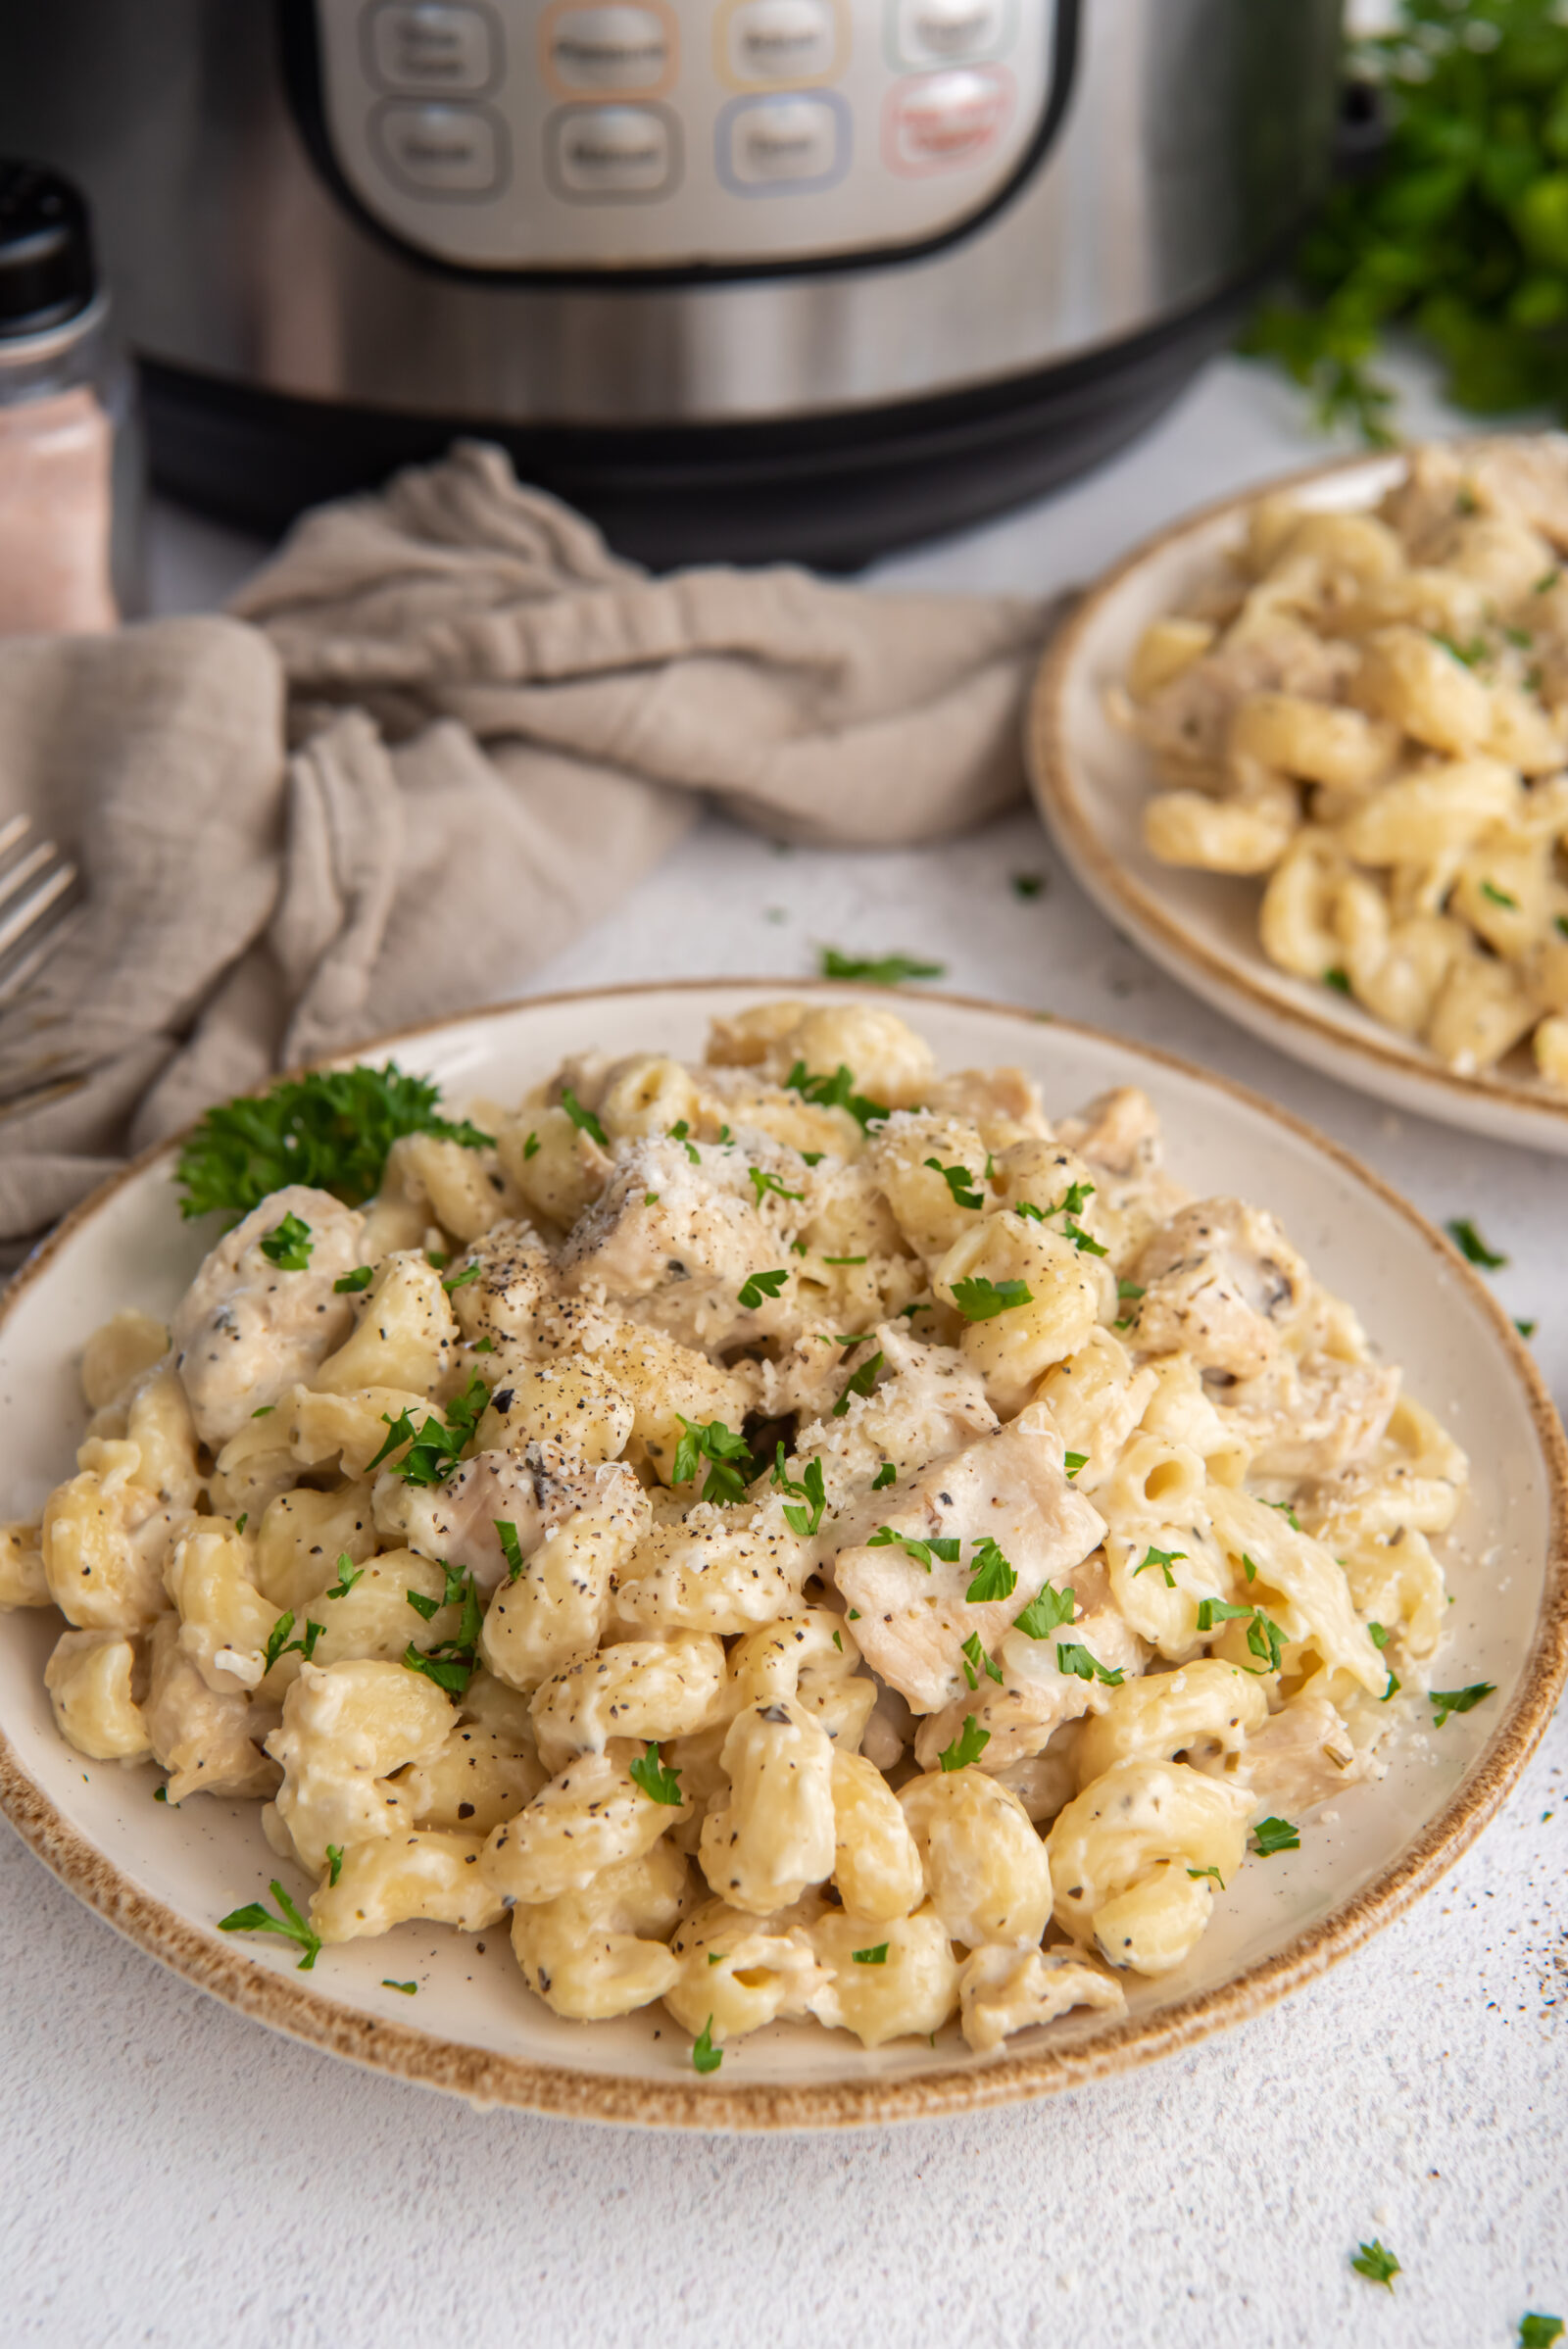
446	731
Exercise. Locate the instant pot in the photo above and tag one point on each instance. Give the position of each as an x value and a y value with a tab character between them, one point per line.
739	277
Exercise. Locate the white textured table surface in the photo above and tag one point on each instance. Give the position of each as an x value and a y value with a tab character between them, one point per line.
178	2175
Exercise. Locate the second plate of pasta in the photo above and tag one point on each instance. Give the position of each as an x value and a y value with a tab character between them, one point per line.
1308	749
773	1561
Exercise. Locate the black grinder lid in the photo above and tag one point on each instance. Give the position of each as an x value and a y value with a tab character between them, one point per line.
46	270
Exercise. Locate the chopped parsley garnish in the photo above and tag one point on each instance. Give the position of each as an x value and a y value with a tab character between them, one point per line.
1467	653
1213	1872
681	1132
880	970
659	1782
460	1280
1458	1700
484	1345
1217	1610
1287	1512
838	1642
1337	977
1024	1208
762	1183
726	1453
886	1475
1274	1835
922	1553
334	1864
705	2057
1539	2332
1265	1640
966	1747
350	1284
1073	1461
451	1663
858	1382
977	1661
844	1259
1076	1660
1377	2263
279	1642
1028	885
1526	1329
242	1521
1561	925
422	1604
993	1577
1376	1634
1129	1292
762	1284
1164	1559
811	1491
1047	1614
530	1148
288	1245
961	1182
980	1300
257	1918
870	1957
1393	1688
1472	1247
837	1092
160	1795
348	1574
1248	1568
583	1119
264	1410
1499	896
331	1130
1545	583
409	1988
510	1546
435	1448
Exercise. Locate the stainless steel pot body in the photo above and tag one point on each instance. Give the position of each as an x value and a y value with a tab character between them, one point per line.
256	176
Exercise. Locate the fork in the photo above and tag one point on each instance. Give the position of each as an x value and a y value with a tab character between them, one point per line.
40	890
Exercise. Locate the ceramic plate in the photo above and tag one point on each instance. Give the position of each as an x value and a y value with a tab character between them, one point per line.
1093	782
164	1877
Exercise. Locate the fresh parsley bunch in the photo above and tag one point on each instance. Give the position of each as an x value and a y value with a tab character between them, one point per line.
1461	230
332	1129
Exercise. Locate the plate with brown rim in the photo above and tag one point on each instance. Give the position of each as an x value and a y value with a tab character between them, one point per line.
1091	782
164	1877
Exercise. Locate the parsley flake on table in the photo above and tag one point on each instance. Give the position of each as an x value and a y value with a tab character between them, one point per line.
1075	1660
331	1130
1164	1559
1472	1247
1377	2263
348	1574
762	1284
658	1782
977	1661
288	1245
1275	1834
350	1284
705	2057
961	1182
878	970
1526	1329
510	1546
726	1453
257	1918
583	1119
858	1382
1539	2332
966	1747
993	1577
1028	885
870	1957
433	1450
980	1300
1458	1700
837	1092
1047	1614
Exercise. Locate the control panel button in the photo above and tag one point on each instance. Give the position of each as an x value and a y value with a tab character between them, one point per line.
610	151
782	40
783	142
934	32
432	45
944	121
609	48
442	150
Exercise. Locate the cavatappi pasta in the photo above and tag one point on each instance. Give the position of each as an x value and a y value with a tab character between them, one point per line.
798	1536
1369	712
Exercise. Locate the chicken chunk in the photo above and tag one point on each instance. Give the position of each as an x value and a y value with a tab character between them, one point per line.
457	1523
246	1330
1222	1283
1011	1489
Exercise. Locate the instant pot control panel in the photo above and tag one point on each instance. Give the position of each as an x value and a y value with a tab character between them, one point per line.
564	135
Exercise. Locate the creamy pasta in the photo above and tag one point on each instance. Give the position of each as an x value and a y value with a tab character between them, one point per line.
1368	711
797	1535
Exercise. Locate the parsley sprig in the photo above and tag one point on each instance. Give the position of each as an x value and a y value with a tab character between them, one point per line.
288	1245
980	1300
452	1663
1458	1700
434	1448
658	1782
727	1454
966	1747
994	1576
1047	1614
959	1181
878	970
257	1918
809	1493
1377	2263
945	1547
331	1130
837	1092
